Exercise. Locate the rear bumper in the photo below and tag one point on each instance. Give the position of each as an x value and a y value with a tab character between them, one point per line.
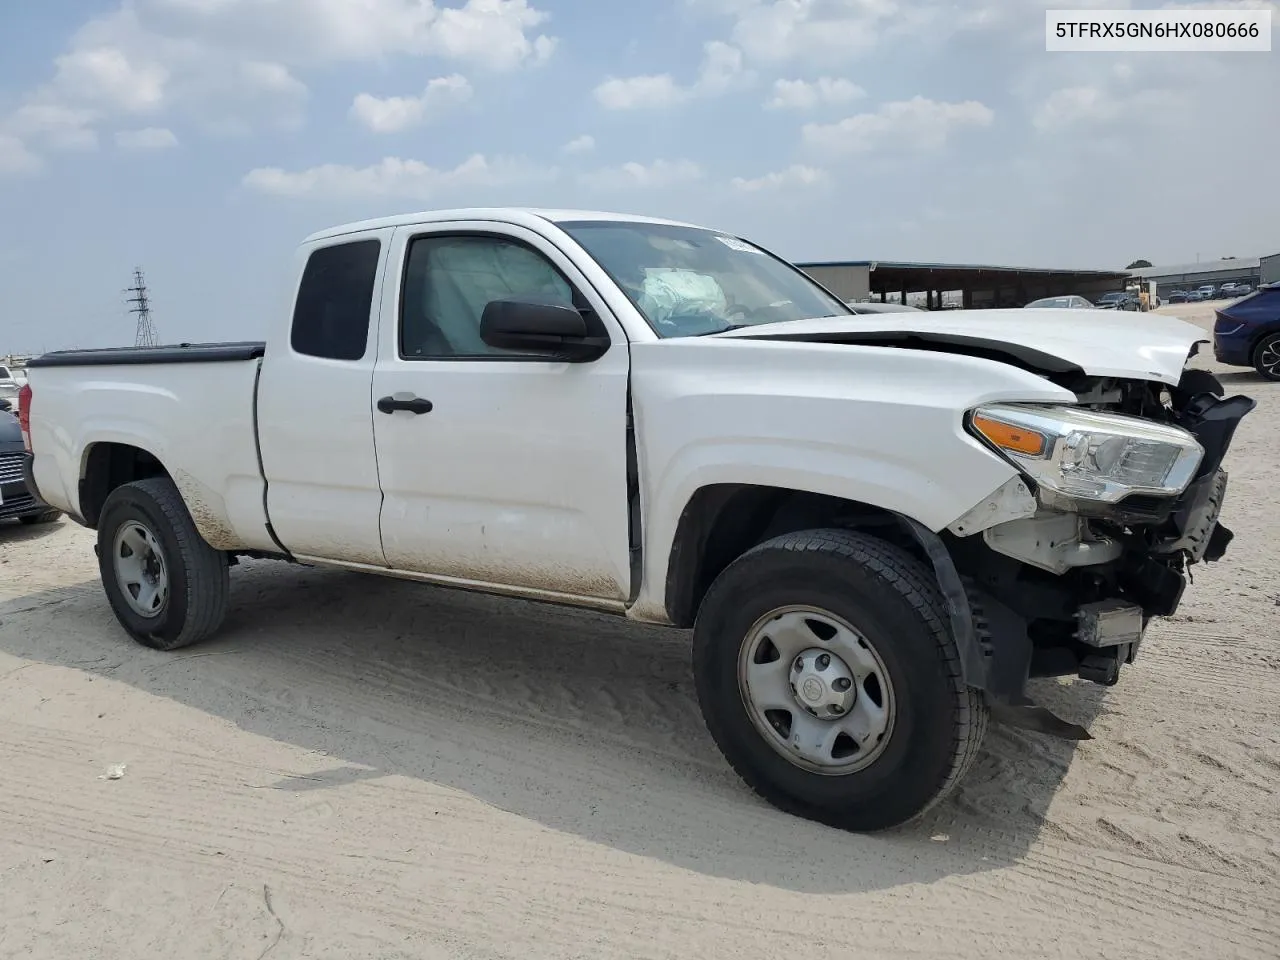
1233	351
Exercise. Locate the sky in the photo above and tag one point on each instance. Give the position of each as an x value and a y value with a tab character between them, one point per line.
202	140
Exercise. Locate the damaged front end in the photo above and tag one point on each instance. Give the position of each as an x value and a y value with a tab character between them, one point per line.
1060	571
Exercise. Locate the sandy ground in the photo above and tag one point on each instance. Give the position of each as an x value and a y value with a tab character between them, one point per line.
360	767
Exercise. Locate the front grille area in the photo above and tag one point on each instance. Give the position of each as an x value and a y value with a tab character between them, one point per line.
15	506
11	467
17	498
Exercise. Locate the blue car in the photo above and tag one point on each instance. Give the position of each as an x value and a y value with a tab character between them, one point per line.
1246	333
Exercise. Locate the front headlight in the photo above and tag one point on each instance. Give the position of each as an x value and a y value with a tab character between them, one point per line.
1085	455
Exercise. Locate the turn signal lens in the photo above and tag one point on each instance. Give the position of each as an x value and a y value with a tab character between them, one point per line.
1006	436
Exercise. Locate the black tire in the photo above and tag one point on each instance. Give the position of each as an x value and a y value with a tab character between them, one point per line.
895	603
1263	357
45	516
198	576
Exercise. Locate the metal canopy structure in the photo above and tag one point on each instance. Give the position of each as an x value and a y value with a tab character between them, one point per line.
979	284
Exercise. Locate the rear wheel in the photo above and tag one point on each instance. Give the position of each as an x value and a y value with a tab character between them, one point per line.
166	585
828	677
1266	357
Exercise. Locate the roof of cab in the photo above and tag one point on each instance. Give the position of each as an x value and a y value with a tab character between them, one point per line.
516	215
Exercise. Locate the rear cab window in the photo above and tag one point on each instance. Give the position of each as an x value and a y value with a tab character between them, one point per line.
331	315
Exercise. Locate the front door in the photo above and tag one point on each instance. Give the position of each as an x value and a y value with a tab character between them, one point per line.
516	475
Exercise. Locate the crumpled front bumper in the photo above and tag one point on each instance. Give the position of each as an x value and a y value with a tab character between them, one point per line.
1103	631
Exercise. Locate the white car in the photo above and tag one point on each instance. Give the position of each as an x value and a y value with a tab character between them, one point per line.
876	527
9	386
1071	302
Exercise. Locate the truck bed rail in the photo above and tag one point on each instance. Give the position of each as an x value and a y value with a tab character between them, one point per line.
229	352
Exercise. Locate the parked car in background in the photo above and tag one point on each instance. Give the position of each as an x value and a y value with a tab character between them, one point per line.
1246	333
1207	291
9	386
1072	302
17	501
1117	300
1178	296
1228	290
872	306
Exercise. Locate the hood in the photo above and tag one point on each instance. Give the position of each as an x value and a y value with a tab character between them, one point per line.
1140	346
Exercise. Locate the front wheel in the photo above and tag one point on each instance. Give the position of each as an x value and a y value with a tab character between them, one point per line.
829	679
166	585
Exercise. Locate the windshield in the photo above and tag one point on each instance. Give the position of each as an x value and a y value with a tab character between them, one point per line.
689	282
1051	302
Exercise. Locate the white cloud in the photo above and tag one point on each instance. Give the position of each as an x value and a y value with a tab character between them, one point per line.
1073	105
818	31
148	138
394	177
802	95
230	66
106	75
640	93
496	34
1095	105
394	114
55	125
583	144
919	123
796	175
721	71
15	158
655	175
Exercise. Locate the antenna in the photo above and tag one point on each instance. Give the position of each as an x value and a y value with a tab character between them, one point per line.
146	335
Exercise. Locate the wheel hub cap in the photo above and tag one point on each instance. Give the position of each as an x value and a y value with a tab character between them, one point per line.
140	569
816	689
823	684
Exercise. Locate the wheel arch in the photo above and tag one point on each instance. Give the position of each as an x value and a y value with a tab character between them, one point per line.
721	521
108	464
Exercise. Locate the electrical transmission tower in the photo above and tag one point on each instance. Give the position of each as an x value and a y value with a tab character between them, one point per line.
146	335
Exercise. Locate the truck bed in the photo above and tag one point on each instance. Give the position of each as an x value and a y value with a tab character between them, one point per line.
191	407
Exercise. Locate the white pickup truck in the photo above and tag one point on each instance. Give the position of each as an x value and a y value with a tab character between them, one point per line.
877	527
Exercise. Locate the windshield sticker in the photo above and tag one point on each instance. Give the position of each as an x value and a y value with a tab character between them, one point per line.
733	243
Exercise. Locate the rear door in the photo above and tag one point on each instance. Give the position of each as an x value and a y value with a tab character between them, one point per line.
314	414
516	476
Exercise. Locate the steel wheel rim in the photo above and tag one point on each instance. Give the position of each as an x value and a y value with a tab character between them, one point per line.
814	737
141	570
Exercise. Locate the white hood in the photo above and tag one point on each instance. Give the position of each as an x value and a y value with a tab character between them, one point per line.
1103	343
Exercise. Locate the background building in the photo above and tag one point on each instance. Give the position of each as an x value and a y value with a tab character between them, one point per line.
1269	268
1188	276
968	285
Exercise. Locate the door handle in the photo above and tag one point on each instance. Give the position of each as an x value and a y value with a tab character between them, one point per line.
413	405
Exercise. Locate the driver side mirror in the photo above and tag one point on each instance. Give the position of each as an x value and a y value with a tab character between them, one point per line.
547	329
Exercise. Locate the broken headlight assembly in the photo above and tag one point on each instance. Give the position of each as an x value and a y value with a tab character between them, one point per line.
1079	457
